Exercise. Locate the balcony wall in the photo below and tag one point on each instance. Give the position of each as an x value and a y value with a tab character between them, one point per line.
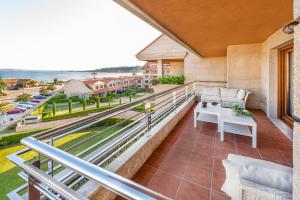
134	158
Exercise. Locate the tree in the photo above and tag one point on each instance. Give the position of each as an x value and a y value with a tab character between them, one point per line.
43	90
23	97
51	87
2	85
31	83
54	108
70	105
83	104
55	81
97	102
94	74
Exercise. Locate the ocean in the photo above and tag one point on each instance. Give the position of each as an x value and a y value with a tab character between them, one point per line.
48	76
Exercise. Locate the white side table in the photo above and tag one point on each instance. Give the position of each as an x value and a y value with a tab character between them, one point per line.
208	114
238	125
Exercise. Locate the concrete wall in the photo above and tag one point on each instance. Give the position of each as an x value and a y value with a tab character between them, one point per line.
243	71
205	69
176	68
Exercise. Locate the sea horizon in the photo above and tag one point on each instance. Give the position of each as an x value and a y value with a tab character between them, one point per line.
49	75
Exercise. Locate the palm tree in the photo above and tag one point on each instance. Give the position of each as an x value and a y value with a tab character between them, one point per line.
94	74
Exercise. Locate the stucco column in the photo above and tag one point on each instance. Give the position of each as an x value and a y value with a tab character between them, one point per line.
296	130
159	67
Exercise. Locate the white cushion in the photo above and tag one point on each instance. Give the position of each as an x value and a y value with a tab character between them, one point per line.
241	94
232	100
234	165
269	177
211	91
232	181
243	160
228	92
210	98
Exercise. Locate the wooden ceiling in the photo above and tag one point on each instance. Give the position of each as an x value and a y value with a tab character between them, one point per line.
209	26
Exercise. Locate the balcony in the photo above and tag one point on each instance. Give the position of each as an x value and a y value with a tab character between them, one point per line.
153	142
188	163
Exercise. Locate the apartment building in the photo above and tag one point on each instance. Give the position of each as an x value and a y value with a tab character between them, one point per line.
164	57
101	86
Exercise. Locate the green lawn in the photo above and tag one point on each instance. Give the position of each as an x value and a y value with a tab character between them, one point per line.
9	178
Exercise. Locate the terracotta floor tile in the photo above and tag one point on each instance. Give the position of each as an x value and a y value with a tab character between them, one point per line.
222	153
202	159
204	148
155	159
190	191
218	180
218	165
164	183
173	167
217	195
195	173
144	175
272	153
188	163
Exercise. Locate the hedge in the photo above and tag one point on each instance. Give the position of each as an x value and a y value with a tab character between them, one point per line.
16	138
171	80
76	114
112	121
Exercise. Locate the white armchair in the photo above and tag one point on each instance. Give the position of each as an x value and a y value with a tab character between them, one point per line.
248	178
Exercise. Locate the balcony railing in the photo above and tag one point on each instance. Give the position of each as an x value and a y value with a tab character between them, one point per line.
60	172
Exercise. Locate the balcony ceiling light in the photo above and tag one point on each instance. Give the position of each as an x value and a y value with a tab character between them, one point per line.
289	29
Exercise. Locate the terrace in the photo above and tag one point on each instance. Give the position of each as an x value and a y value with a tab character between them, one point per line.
156	153
158	148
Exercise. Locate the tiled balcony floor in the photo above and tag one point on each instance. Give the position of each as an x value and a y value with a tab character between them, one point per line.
188	164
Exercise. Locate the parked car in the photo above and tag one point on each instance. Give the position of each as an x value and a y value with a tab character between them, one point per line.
25	105
46	95
16	110
39	97
35	100
13	88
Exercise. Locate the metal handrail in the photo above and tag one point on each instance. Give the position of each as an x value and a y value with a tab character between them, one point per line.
107	179
111	181
88	119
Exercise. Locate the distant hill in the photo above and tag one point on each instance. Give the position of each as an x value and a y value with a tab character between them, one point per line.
122	69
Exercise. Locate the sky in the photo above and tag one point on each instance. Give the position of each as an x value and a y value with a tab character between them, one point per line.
70	35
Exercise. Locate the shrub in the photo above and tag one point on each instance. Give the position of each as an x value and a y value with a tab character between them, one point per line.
16	138
23	97
171	80
103	99
112	121
75	114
